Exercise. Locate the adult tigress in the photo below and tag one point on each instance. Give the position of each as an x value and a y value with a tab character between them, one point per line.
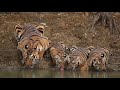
31	42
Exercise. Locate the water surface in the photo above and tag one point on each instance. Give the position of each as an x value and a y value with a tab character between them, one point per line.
57	74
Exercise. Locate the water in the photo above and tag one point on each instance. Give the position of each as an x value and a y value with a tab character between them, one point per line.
57	74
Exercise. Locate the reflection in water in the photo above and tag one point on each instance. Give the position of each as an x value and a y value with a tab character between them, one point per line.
57	74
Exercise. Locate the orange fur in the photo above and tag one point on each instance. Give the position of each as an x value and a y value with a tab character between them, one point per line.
31	37
98	58
54	52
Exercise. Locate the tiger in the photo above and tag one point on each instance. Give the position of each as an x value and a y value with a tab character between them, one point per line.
98	59
30	37
56	52
77	57
26	30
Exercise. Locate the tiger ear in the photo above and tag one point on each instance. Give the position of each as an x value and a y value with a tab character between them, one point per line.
73	48
107	51
90	48
18	28
40	28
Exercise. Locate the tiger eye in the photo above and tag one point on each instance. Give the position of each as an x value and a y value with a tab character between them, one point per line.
35	48
102	55
26	46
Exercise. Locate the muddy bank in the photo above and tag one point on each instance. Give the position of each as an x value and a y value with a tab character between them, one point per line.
62	26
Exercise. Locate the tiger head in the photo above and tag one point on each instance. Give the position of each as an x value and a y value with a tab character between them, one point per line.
38	49
76	57
57	57
99	59
27	46
31	52
76	61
